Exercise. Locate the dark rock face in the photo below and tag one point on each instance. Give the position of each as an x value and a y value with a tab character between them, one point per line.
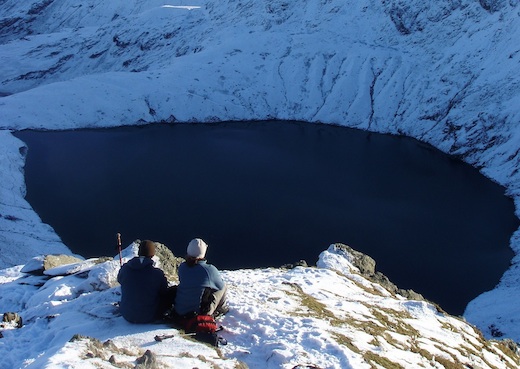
492	5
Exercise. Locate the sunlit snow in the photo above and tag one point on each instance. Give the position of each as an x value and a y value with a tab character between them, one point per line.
443	72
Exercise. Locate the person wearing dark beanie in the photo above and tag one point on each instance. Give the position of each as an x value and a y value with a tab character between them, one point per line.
146	248
145	295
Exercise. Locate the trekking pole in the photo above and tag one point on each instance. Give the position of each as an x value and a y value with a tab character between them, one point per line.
119	248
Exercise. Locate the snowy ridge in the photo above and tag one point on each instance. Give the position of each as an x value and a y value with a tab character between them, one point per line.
444	72
22	233
324	317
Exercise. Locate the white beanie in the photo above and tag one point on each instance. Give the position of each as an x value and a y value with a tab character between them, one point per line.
197	248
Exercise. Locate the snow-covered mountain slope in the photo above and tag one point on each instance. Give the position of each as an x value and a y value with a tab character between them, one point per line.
325	317
444	72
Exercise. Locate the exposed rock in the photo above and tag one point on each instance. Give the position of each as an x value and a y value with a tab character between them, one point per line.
367	268
168	261
107	352
365	264
511	345
301	263
147	361
39	264
39	7
11	319
53	261
492	5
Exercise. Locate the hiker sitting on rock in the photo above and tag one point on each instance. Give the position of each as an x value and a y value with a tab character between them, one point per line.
201	289
145	295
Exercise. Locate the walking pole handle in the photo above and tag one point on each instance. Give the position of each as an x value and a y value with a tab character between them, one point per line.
119	248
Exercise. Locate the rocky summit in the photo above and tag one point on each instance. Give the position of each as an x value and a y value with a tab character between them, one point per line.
330	316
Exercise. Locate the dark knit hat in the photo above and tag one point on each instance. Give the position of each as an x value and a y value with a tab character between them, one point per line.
147	248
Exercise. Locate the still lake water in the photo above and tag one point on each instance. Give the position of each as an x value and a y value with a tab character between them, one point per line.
269	193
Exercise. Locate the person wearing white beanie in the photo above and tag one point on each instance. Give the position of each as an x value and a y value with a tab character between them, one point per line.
197	248
201	289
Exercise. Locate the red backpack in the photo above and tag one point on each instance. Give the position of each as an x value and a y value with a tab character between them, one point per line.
205	329
200	324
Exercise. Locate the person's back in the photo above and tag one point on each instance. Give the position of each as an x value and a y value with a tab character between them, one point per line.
194	279
201	289
142	287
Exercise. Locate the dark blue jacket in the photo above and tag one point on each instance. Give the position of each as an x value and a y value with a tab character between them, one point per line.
142	286
193	280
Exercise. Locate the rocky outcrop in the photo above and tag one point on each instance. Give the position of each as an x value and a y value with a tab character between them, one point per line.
42	263
53	261
168	262
367	267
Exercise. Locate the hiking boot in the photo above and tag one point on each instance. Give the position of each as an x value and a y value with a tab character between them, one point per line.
221	310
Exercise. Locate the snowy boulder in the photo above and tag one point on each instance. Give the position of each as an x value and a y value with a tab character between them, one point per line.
41	263
35	265
72	268
101	277
345	260
350	259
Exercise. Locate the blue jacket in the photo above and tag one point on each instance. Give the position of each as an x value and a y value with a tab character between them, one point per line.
141	288
193	280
